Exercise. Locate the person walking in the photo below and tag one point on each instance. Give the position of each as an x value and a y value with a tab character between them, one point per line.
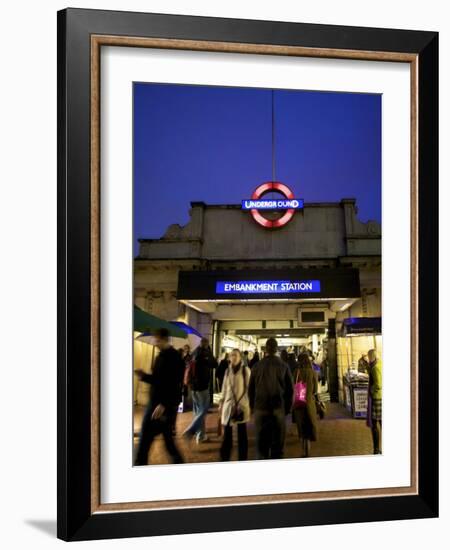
270	396
291	361
186	355
235	407
165	382
199	380
254	359
304	408
374	401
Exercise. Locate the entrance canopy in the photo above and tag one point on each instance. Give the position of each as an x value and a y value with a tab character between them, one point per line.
202	289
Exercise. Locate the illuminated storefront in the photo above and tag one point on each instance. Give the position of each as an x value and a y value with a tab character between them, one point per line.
239	279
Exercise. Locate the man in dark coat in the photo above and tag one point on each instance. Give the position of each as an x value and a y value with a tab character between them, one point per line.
270	394
166	381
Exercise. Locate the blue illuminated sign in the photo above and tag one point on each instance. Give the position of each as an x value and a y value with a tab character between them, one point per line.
266	287
272	204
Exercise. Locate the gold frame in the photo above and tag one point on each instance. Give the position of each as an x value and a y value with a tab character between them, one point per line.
97	41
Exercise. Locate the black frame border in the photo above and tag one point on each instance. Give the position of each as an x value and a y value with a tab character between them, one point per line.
75	520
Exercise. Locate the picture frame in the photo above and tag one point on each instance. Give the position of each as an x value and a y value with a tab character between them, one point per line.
81	35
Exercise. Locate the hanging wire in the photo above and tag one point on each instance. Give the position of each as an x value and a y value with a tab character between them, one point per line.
273	135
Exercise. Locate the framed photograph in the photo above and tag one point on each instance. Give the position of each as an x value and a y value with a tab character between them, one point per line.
247	256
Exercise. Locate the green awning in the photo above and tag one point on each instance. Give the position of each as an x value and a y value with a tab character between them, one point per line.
145	322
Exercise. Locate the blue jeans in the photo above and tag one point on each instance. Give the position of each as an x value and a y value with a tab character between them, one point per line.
200	406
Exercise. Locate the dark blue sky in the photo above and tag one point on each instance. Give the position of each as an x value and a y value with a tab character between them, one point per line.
214	144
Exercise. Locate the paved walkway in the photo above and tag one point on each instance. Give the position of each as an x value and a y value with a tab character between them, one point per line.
339	435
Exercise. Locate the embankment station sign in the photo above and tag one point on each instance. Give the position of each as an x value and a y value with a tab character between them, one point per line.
261	284
266	287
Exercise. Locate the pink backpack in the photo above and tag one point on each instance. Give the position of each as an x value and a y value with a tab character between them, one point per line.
299	393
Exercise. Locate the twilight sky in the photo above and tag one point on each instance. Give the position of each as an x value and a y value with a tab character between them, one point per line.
214	144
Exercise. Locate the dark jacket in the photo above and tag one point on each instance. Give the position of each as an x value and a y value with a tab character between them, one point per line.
221	369
204	362
166	379
270	386
292	363
375	379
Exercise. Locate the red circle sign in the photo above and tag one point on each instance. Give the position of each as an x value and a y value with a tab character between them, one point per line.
266	188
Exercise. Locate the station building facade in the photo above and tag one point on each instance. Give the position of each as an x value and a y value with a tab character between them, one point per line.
237	282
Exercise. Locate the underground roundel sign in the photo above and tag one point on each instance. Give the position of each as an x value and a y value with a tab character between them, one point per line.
286	204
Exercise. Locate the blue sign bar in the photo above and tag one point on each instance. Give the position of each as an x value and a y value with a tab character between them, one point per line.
272	204
267	287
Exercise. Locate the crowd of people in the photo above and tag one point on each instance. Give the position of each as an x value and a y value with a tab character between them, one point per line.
268	389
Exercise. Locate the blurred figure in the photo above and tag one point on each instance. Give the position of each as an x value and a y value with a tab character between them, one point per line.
324	371
222	368
186	355
234	407
374	402
165	395
284	356
245	358
270	394
315	366
304	411
363	364
199	380
254	359
292	361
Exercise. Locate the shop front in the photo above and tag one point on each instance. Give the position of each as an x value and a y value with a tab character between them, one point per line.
357	336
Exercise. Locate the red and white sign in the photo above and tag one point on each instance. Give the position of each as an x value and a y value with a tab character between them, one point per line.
284	190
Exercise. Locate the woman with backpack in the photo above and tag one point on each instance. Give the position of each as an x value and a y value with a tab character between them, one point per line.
304	407
235	407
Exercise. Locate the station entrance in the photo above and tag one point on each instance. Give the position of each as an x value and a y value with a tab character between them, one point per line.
242	308
250	336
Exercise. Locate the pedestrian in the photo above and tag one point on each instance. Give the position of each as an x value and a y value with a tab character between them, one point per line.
199	381
254	359
270	395
363	364
284	356
292	361
165	382
245	359
235	407
374	401
305	408
187	394
186	353
222	369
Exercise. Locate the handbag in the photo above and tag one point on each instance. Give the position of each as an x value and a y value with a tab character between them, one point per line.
237	414
300	389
